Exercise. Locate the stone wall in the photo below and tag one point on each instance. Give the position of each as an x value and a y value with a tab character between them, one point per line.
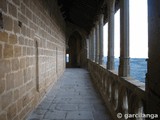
32	54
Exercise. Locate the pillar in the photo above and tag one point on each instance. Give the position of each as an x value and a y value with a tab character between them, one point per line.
110	57
124	67
101	17
90	49
94	39
97	43
87	42
92	46
153	65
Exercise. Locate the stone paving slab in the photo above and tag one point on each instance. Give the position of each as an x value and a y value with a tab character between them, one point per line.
72	98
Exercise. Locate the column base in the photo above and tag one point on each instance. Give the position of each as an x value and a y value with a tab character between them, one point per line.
124	67
110	62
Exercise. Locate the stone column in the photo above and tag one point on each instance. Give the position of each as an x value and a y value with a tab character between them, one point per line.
92	54
110	57
97	43
94	39
124	67
90	49
153	72
95	30
101	17
87	42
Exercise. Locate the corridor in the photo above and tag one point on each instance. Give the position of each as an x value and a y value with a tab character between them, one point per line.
73	97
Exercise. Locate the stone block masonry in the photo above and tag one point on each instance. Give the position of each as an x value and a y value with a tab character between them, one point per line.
32	54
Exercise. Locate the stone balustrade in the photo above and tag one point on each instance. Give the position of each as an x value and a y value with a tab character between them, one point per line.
121	94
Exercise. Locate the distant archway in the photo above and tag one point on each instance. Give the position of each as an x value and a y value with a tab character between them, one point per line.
74	51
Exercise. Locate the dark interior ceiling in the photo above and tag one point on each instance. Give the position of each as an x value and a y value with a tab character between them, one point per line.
83	13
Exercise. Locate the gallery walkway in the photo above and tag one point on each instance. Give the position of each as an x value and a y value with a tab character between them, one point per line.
72	98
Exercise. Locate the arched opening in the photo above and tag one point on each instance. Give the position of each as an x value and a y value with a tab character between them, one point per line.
74	51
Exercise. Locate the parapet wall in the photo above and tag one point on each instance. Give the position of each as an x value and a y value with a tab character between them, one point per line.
32	54
121	95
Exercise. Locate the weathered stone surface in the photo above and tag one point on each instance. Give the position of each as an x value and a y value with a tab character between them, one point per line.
17	56
23	30
22	63
8	51
29	14
3	5
27	75
15	64
18	79
6	99
2	86
9	81
22	114
16	94
11	111
8	23
5	67
24	51
29	85
17	51
23	19
16	28
22	90
4	36
3	116
0	51
17	2
12	10
25	100
16	118
21	40
19	105
12	39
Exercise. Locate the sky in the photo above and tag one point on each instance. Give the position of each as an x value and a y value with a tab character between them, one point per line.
138	30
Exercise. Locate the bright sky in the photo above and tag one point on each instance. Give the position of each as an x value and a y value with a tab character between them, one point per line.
138	30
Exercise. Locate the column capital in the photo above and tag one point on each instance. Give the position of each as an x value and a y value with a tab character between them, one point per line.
111	6
101	11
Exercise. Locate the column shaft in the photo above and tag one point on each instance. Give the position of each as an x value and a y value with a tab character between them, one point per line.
97	43
124	67
110	57
90	48
87	42
94	39
101	39
153	72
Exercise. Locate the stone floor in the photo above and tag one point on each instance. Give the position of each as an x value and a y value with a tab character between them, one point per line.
72	98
